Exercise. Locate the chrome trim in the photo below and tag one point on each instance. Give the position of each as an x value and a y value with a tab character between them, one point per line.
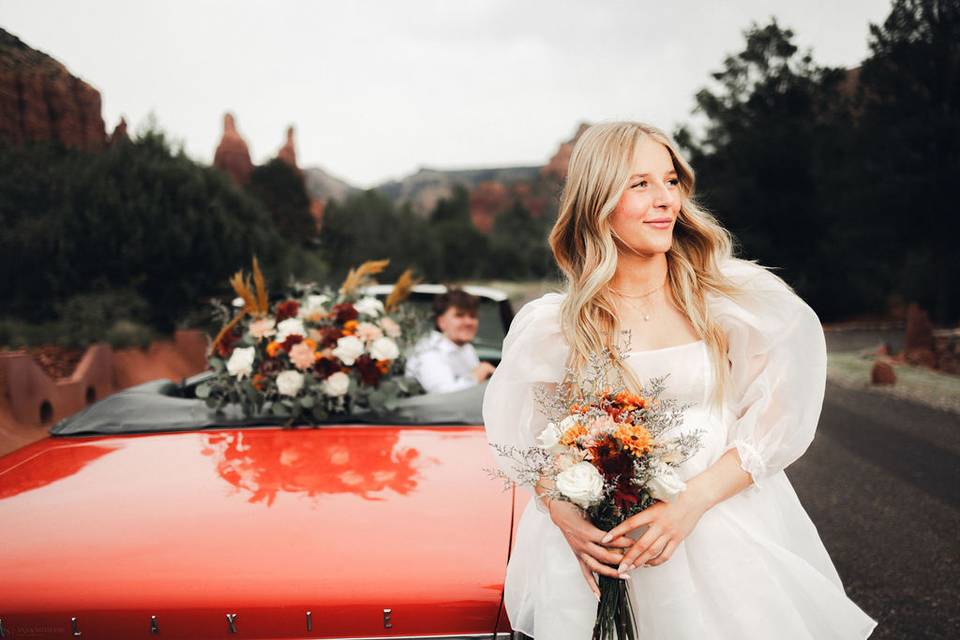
75	626
232	622
387	623
154	625
309	621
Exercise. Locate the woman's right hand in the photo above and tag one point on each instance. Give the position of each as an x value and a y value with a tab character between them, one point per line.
584	539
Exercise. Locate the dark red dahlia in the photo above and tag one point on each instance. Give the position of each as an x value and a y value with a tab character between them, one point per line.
290	341
229	340
344	312
329	337
369	372
326	367
287	309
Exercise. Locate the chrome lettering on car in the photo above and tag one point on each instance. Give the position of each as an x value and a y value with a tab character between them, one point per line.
387	622
232	622
154	625
76	627
309	621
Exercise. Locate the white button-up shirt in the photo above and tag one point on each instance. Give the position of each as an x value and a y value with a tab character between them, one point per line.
440	365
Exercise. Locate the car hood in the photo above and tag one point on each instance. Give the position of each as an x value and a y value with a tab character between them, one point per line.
264	523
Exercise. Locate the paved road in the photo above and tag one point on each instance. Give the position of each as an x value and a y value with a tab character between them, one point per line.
882	483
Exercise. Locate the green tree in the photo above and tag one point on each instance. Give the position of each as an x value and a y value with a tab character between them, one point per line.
283	192
908	138
771	120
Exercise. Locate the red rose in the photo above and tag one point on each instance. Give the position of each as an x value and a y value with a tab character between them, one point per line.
344	312
287	309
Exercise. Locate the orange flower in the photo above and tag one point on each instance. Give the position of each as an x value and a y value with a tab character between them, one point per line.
383	366
310	343
257	381
635	438
349	327
629	402
570	436
273	349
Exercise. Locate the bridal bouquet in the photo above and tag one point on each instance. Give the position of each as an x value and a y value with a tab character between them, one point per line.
613	454
316	353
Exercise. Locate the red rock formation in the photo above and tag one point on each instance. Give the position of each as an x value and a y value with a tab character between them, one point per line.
556	168
40	100
918	343
317	207
882	373
119	132
487	201
288	152
232	155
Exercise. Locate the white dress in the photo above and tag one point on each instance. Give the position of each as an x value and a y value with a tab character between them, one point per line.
754	567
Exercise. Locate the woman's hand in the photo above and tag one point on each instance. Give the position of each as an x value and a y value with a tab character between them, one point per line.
668	523
584	540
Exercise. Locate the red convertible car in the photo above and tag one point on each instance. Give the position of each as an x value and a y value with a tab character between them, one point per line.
147	516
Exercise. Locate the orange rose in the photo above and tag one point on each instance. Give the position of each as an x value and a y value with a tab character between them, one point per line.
273	349
349	327
383	366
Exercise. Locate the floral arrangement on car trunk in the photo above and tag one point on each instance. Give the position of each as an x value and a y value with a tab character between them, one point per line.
611	452
314	354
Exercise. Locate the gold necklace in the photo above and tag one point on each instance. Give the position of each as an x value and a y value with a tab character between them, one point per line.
645	314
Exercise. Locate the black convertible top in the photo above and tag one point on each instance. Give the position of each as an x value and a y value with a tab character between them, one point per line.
163	405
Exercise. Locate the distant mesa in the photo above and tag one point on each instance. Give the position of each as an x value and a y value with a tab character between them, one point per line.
41	101
233	155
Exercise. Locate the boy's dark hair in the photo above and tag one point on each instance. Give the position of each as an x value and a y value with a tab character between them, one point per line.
457	298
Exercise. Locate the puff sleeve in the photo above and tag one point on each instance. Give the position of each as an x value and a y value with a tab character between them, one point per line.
778	363
534	352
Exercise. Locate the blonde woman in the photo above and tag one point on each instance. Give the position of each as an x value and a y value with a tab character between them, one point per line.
735	555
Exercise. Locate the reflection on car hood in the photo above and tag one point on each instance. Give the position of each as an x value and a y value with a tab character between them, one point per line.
268	523
155	406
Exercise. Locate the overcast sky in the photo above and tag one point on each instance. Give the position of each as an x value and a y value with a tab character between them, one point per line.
377	89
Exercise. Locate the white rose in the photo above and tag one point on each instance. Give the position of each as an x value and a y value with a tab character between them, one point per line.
665	485
312	304
581	483
369	307
549	438
290	327
348	349
240	363
384	349
289	383
337	384
238	302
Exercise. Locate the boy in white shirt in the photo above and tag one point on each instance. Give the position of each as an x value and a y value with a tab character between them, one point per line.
445	360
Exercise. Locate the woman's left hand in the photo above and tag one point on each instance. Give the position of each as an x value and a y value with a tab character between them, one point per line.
668	524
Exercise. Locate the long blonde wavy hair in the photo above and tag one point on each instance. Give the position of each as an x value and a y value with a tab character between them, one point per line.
585	248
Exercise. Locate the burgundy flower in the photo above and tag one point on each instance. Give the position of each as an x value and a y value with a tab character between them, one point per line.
344	312
369	372
290	341
229	340
329	336
287	309
326	367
